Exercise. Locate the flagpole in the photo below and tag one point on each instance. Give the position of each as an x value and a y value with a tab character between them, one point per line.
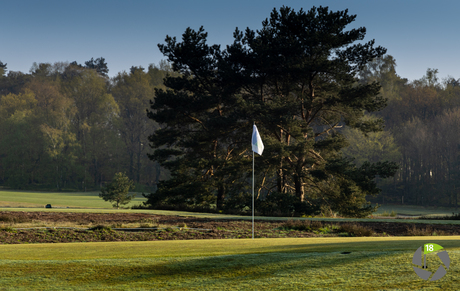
258	147
253	195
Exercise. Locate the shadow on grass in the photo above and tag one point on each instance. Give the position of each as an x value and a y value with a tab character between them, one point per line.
195	271
268	263
272	264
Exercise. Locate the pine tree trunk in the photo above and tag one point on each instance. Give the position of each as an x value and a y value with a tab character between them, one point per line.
299	190
220	197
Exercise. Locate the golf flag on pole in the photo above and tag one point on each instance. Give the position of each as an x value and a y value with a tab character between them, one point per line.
257	145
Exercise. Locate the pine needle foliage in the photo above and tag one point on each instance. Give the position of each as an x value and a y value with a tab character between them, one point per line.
297	79
117	191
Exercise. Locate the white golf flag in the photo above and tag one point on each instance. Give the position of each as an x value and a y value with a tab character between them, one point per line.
257	145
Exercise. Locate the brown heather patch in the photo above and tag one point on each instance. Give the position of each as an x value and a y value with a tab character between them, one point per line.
185	228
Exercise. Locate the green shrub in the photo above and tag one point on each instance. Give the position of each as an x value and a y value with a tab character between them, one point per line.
117	191
284	204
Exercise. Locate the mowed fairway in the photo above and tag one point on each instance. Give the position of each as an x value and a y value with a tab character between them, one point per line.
58	199
416	210
261	264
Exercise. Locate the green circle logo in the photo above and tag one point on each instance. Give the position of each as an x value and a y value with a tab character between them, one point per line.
439	262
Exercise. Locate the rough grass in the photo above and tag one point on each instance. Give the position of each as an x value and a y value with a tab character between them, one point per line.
7	221
261	264
207	215
346	229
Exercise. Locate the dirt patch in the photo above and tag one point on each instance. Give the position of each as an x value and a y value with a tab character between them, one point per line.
181	228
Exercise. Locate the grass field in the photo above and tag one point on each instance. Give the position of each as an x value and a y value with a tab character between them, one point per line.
374	263
36	199
261	264
416	210
33	199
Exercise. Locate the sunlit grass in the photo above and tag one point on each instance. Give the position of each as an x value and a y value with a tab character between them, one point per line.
415	210
261	264
375	263
31	199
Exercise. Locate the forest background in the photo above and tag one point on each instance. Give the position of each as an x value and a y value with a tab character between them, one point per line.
67	126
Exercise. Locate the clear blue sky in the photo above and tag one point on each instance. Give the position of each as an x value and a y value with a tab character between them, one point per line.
419	34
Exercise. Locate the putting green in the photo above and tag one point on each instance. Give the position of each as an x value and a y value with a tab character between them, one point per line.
99	250
260	264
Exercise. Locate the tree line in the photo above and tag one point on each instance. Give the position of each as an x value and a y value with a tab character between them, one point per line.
68	126
337	122
422	121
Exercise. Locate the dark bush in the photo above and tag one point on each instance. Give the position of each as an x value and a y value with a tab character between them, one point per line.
283	204
101	228
302	225
275	204
238	203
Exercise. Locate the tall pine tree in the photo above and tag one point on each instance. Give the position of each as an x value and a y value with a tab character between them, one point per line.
297	79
